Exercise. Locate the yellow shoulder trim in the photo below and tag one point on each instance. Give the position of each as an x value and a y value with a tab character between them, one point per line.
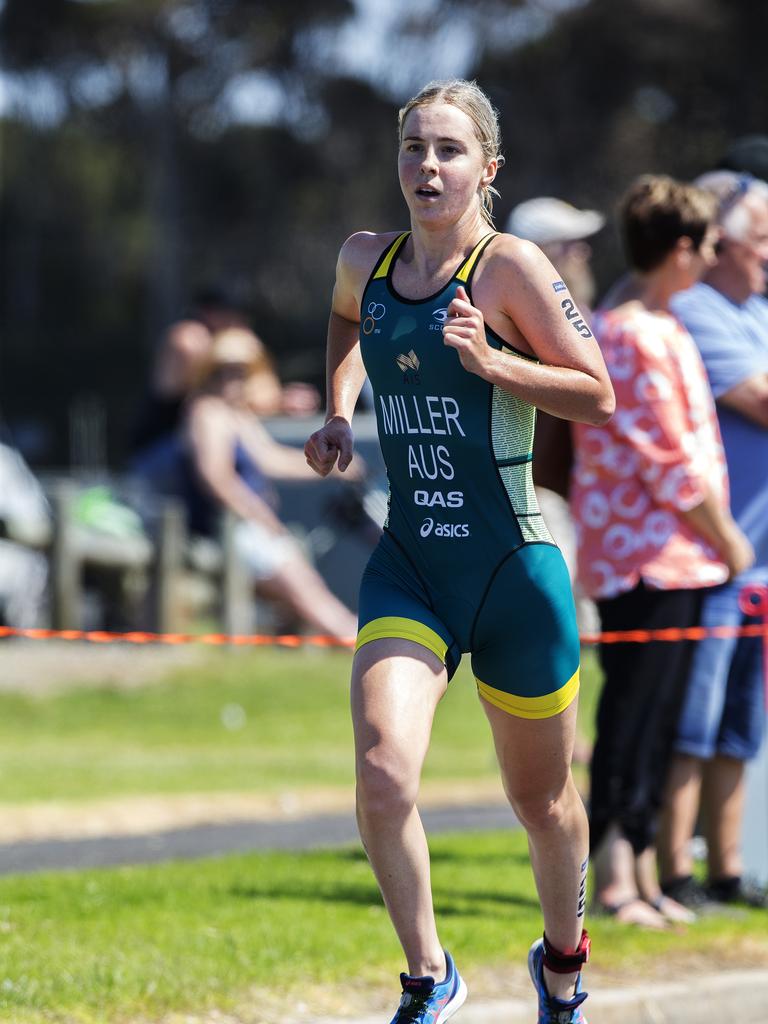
404	629
393	250
469	264
532	707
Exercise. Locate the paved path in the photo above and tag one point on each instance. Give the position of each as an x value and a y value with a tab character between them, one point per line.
740	997
234	837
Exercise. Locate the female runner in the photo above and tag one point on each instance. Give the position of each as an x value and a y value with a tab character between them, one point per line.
464	333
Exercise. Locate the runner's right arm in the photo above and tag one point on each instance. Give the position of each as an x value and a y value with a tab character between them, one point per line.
345	372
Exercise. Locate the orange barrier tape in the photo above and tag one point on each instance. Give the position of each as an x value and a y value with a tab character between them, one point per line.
215	639
753	600
645	636
636	636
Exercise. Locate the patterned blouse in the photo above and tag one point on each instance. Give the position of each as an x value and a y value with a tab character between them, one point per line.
655	458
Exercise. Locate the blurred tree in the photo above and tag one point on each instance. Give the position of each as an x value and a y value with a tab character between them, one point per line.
616	90
151	145
119	165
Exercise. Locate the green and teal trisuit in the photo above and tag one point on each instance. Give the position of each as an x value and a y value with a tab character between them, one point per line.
465	563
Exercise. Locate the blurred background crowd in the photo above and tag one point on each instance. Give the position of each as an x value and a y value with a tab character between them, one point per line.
154	148
177	177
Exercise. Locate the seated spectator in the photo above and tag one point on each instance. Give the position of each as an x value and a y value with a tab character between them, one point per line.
268	396
184	356
650	499
184	352
723	718
229	462
25	525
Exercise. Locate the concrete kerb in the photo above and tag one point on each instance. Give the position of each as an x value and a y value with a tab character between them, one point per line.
733	995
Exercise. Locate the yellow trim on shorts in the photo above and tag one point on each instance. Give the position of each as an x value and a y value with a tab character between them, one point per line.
403	629
548	706
386	263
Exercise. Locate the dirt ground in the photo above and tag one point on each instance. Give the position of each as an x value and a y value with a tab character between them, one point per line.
139	815
47	666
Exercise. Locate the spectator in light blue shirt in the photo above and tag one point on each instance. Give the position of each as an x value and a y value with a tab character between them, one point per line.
723	717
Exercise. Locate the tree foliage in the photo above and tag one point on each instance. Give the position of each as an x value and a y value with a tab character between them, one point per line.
152	145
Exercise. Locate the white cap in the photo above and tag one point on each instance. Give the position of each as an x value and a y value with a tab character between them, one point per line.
546	220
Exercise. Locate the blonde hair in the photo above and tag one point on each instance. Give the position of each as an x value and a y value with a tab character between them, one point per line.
236	346
656	211
469	98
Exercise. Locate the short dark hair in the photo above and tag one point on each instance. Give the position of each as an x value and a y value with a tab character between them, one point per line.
656	211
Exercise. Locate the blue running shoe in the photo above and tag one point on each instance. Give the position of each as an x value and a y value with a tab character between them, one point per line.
551	1009
425	1001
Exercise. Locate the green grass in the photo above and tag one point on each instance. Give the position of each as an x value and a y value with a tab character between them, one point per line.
288	727
117	945
134	944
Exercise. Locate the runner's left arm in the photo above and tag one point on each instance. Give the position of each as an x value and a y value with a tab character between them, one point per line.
570	380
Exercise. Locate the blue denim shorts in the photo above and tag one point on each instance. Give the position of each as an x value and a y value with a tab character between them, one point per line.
724	707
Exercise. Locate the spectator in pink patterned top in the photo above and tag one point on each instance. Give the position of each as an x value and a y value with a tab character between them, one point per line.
650	500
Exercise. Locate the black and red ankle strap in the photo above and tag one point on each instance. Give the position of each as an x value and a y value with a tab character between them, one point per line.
566	963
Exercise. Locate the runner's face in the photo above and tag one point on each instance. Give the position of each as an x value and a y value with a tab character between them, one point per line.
441	164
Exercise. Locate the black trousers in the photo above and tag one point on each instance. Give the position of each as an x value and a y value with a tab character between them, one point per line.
643	689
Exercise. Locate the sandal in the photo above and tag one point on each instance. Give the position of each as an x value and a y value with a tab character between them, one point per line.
671	910
634	911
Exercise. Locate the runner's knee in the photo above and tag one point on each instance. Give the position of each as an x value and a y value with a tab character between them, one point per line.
538	809
386	784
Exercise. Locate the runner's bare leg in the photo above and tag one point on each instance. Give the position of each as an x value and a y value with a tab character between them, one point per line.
535	759
396	686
